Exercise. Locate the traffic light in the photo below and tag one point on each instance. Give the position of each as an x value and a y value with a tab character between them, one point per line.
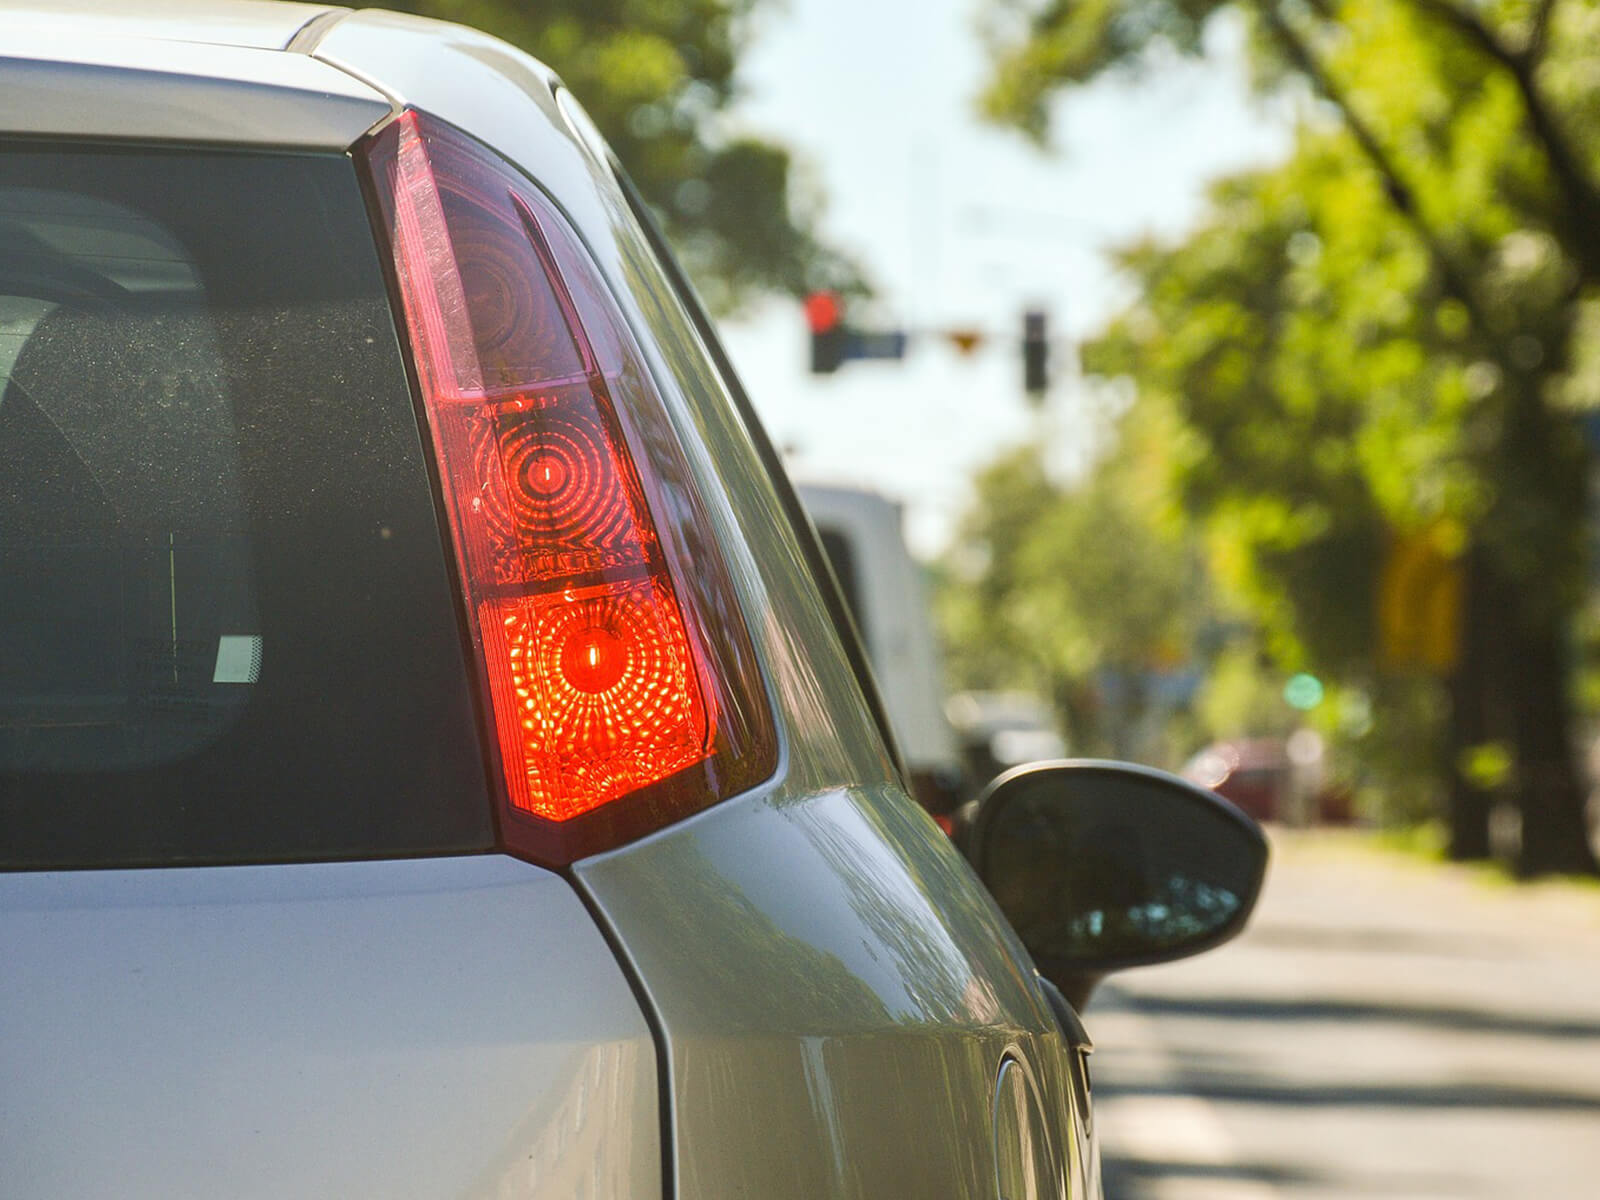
1035	354
834	343
829	338
1303	691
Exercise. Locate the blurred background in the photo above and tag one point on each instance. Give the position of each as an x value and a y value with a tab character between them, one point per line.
1231	369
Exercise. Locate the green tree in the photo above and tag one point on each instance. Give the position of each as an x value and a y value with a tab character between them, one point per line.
1387	334
1084	593
986	648
655	77
1246	329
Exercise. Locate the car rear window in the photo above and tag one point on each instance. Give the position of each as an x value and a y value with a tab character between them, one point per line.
227	632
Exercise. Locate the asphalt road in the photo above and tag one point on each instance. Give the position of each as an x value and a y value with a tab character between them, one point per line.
1385	1028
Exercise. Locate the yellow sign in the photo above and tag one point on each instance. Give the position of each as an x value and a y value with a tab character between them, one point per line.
1419	602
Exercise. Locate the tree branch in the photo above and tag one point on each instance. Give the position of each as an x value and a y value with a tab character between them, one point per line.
1533	49
1580	199
1394	184
1468	25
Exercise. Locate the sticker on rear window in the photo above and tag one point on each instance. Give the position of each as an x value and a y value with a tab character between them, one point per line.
238	658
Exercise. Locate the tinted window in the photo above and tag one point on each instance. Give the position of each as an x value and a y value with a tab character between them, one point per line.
226	628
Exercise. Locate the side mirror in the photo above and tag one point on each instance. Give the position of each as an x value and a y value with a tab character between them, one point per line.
1101	866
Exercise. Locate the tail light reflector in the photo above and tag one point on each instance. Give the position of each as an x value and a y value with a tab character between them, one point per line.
618	670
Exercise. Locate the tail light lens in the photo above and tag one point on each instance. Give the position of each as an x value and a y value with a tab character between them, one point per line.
620	675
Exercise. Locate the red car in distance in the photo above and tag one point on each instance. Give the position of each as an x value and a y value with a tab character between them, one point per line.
1262	774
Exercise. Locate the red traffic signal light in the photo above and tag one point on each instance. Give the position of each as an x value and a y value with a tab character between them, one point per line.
824	314
823	311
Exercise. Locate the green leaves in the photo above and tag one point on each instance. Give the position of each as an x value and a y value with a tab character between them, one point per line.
1072	41
1058	589
1387	334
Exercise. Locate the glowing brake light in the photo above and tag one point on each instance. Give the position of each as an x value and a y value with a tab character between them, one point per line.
620	676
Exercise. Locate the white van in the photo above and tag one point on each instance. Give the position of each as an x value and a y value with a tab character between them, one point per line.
884	587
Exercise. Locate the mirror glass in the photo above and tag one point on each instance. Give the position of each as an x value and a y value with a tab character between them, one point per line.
1098	865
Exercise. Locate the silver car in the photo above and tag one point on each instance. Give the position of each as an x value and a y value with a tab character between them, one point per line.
434	759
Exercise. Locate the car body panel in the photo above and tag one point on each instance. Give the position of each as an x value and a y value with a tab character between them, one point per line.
244	23
835	997
62	81
813	977
836	992
413	1028
468	78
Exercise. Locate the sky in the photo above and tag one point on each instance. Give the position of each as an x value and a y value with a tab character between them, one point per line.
962	224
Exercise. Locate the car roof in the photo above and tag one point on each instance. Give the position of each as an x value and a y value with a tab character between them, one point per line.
254	24
261	72
181	72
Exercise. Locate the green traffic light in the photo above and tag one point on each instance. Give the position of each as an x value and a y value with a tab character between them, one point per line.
1303	691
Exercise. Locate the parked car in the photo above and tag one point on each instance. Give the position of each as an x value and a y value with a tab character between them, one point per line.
862	535
434	759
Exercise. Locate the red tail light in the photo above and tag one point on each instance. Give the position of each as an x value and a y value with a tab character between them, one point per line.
619	673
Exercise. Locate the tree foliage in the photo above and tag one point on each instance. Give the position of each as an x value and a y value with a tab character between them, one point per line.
655	77
1385	337
1081	593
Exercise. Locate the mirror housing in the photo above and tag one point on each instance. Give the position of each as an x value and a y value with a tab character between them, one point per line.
1101	866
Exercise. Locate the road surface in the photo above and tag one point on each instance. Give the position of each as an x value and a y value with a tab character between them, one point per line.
1386	1028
